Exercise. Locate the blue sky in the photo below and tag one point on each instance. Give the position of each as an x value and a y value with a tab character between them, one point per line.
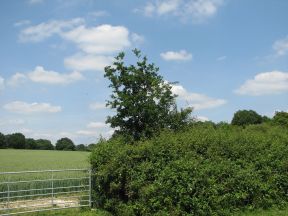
226	55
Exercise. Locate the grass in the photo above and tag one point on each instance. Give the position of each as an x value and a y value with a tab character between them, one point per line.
28	160
71	212
22	160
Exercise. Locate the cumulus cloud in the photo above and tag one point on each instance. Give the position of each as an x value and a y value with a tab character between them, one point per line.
83	62
100	39
195	10
281	47
29	108
17	79
41	75
45	30
182	55
266	83
97	106
95	44
195	100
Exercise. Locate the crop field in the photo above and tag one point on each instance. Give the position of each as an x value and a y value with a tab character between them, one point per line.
64	183
20	160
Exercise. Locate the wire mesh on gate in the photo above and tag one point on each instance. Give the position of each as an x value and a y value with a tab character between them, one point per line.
34	191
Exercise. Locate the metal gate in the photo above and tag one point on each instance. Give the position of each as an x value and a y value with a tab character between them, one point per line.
42	190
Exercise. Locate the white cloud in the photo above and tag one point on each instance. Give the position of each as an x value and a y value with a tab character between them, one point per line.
266	83
17	79
97	125
87	133
195	10
28	108
2	85
137	39
182	55
41	75
167	6
195	100
102	39
87	62
281	47
97	106
45	30
202	118
202	9
22	23
149	9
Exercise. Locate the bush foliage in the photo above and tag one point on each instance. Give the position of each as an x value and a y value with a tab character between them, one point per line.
207	169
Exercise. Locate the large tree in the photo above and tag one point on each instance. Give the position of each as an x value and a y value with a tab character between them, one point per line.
16	140
65	144
30	144
142	99
246	117
44	144
2	141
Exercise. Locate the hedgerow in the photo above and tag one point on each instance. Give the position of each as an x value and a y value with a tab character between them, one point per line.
204	170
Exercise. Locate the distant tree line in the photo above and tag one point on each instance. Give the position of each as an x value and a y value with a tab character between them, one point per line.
19	141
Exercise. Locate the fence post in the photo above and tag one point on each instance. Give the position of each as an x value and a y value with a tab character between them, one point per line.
8	194
52	186
90	190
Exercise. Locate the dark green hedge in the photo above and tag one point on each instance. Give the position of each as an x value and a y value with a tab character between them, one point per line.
205	170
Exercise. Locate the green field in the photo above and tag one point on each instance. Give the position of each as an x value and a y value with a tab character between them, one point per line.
35	160
22	160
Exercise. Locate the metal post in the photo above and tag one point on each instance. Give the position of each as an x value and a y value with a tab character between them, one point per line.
90	190
52	186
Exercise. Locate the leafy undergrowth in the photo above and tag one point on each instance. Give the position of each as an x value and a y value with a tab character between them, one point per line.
204	170
269	212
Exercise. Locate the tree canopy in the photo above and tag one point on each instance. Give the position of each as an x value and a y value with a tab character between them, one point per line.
246	117
142	98
281	118
2	141
44	144
65	144
16	140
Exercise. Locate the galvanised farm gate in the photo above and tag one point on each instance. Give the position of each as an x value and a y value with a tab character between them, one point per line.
42	190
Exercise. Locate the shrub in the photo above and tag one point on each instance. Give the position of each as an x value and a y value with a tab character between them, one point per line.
281	118
203	170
